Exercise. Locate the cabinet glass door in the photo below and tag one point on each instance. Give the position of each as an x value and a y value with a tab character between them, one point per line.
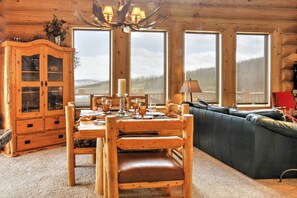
30	99
55	69
30	68
29	82
55	85
55	98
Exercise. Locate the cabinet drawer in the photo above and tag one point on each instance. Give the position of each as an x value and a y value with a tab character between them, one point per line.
25	142
55	122
28	126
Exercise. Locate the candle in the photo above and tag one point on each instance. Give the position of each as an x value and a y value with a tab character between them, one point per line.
121	87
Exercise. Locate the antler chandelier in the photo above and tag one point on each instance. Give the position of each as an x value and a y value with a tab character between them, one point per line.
122	16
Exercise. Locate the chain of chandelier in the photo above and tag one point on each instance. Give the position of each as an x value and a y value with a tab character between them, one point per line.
119	17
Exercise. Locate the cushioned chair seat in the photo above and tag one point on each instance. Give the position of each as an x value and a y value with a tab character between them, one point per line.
84	143
149	166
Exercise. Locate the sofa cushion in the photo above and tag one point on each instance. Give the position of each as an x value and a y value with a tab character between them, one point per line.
224	110
285	128
272	113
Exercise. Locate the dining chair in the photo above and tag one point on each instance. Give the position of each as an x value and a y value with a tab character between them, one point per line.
148	168
176	111
76	144
141	98
95	101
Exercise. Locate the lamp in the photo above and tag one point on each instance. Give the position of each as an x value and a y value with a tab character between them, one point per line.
120	16
190	86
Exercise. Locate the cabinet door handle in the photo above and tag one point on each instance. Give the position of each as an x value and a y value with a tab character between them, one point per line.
46	83
30	125
60	136
27	141
41	83
57	122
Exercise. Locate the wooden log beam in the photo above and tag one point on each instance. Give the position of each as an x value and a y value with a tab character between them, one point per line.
276	58
287	63
176	73
204	23
287	75
120	59
236	3
231	12
37	5
290	39
229	67
38	17
25	10
288	49
56	4
287	86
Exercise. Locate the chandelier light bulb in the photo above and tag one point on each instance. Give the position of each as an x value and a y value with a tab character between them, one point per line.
142	14
108	13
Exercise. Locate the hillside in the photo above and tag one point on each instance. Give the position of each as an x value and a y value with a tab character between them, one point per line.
250	76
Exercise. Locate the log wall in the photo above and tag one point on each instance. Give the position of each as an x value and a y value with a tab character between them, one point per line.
289	45
19	18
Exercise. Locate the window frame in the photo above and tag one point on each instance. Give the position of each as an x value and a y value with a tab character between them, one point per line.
110	59
267	69
218	64
165	62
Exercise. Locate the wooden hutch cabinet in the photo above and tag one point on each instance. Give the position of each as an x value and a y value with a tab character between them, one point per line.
36	83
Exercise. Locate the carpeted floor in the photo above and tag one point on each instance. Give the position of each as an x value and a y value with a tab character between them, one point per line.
43	174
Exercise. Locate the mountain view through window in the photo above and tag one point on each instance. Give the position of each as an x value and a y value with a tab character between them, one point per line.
92	74
252	72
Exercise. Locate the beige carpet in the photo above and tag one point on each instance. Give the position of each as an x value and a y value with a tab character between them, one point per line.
43	174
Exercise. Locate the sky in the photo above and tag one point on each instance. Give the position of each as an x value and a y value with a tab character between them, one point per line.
147	52
93	51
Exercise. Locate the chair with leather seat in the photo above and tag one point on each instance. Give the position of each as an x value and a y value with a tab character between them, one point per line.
75	145
148	168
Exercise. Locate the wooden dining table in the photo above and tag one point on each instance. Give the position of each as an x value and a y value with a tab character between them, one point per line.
91	127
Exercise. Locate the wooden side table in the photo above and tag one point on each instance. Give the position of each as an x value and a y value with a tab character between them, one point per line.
5	137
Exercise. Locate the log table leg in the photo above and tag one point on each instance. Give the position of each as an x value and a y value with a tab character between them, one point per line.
99	167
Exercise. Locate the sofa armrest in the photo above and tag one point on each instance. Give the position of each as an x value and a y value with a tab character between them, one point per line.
285	128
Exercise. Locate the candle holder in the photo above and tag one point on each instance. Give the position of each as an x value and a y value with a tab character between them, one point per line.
122	111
